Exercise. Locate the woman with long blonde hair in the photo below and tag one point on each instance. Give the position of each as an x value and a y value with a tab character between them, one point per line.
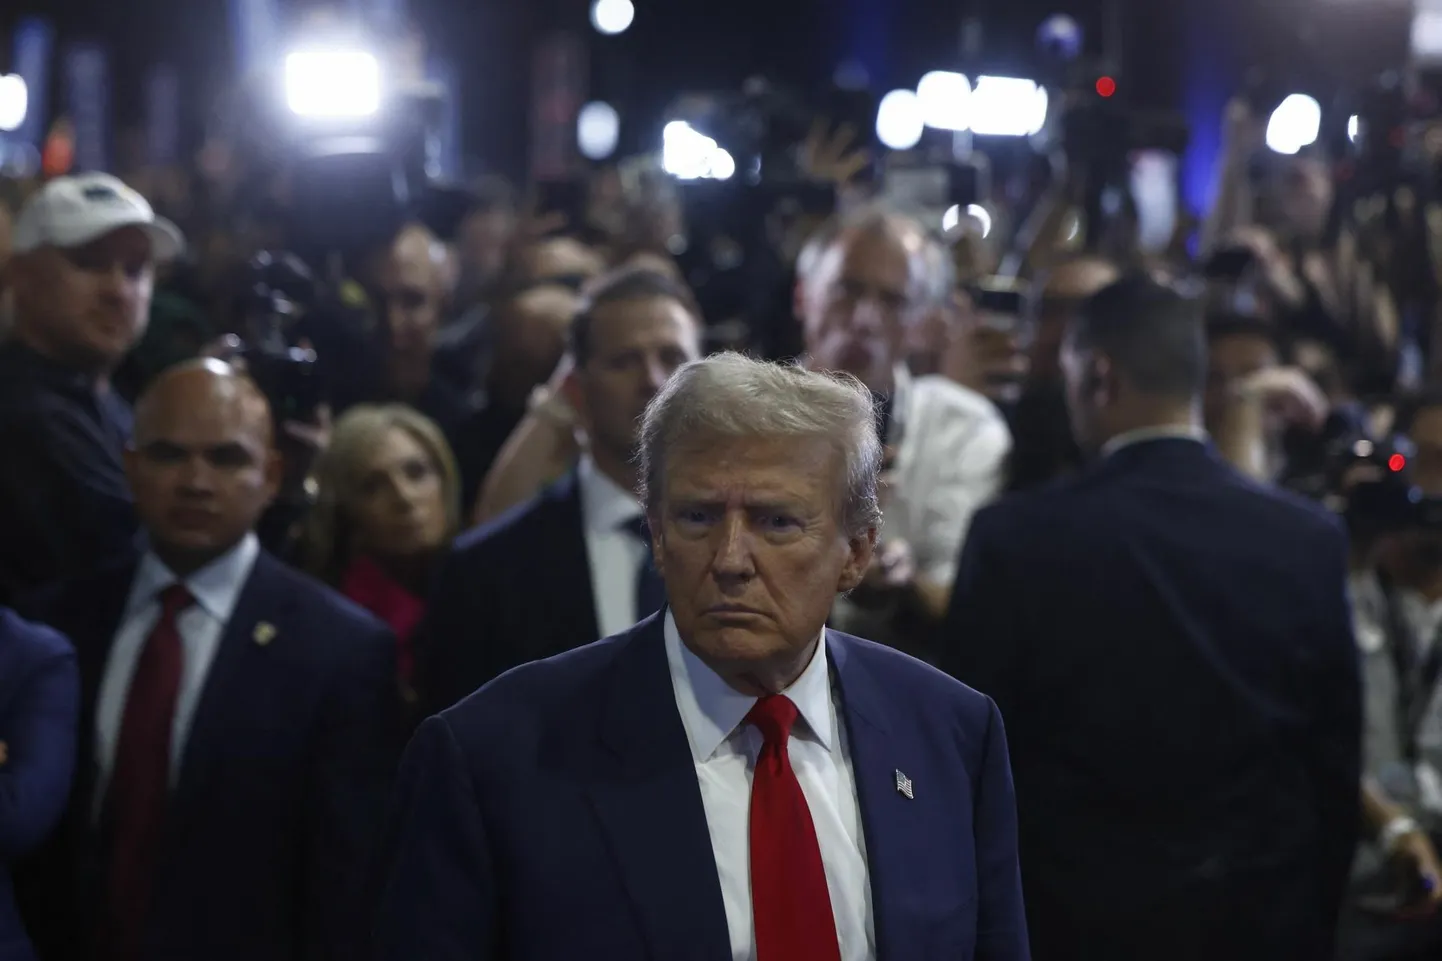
387	508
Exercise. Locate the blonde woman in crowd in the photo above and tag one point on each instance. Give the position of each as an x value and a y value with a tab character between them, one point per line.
388	505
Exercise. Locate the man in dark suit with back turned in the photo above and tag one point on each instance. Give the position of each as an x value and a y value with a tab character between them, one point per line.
239	722
1171	646
571	565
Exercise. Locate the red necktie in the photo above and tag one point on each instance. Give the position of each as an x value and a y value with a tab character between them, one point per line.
789	900
140	782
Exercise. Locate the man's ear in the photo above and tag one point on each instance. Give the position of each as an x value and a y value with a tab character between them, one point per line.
861	550
658	541
570	388
274	474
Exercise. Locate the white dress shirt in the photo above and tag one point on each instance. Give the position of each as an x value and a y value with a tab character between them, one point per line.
215	587
614	552
950	462
725	751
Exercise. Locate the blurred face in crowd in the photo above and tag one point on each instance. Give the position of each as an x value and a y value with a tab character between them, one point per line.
863	295
1304	196
201	468
397	506
484	239
412	288
85	307
1426	464
751	542
1066	288
530	340
1231	359
636	345
560	260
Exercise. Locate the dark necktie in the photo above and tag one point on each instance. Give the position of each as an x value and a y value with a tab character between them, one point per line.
140	782
650	588
789	899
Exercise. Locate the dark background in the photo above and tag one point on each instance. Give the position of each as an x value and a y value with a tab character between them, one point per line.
1178	53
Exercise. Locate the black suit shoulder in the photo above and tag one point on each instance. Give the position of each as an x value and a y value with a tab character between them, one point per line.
519	526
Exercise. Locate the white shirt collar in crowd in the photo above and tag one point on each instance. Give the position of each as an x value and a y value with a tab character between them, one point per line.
1144	434
712	710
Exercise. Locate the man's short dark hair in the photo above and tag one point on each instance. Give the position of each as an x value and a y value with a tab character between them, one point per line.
1152	333
637	283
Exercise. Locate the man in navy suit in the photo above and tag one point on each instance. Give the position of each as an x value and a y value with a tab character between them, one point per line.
239	723
39	706
728	779
1171	646
572	565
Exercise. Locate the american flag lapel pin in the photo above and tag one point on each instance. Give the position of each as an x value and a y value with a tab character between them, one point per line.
903	786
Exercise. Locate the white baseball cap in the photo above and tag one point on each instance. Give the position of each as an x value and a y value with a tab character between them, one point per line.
71	212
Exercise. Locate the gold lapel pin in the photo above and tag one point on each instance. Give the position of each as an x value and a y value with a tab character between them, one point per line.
264	633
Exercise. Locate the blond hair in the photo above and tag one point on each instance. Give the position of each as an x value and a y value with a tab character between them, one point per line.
326	543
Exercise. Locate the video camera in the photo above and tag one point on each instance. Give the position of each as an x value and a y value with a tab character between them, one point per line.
1366	480
278	292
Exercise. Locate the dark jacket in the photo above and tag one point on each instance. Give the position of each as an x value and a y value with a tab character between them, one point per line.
1171	646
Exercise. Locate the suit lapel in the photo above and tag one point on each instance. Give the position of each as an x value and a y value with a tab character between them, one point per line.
91	619
648	801
897	847
236	675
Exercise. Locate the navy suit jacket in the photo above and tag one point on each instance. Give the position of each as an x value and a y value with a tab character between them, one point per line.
39	705
556	814
515	590
1171	646
288	765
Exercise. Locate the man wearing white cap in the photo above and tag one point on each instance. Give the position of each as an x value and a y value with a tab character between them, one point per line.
85	250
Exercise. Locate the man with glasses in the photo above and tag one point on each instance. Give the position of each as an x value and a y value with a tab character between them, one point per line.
861	293
85	250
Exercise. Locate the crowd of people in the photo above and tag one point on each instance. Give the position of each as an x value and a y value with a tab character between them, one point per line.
499	496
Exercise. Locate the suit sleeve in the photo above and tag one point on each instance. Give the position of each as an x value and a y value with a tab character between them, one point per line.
353	773
1334	743
39	732
1001	933
438	887
979	637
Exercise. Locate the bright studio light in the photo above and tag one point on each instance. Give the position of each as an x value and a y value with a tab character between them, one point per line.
612	16
1007	107
899	122
598	128
333	83
1295	124
14	101
952	218
945	99
1354	127
688	154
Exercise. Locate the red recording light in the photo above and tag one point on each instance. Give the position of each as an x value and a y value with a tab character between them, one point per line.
1106	86
1396	462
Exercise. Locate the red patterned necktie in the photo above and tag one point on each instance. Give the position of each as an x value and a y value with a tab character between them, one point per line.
789	900
140	782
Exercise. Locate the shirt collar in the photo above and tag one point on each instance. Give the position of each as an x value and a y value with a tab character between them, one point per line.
605	505
712	710
216	586
1144	434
